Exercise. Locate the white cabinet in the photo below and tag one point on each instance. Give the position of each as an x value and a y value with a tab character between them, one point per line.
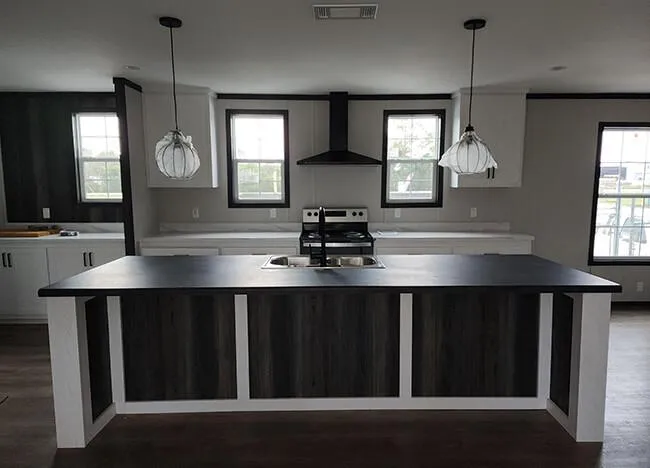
500	120
68	261
23	272
196	117
259	251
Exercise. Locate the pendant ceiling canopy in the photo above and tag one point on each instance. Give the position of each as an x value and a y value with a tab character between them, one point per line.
176	156
470	154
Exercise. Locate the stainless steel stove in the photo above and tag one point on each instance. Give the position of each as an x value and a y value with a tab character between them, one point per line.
346	232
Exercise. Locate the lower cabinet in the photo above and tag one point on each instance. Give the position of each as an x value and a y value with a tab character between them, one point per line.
69	261
23	272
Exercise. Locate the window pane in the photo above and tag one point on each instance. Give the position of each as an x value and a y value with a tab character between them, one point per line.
115	189
95	170
411	180
92	125
259	181
258	137
96	189
622	227
94	147
112	126
413	137
113	147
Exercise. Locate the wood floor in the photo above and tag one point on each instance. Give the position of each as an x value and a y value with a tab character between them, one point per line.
344	439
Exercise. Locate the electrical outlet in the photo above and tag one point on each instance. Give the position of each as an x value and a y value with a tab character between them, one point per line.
639	286
473	212
273	213
398	212
195	212
46	213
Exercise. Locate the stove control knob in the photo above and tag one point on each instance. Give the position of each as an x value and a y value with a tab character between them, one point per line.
309	213
354	213
360	213
315	213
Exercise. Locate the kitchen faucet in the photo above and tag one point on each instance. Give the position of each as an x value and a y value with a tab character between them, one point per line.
321	233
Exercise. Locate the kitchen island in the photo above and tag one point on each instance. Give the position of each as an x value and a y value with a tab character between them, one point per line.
207	334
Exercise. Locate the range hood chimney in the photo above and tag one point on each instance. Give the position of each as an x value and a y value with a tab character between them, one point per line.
338	153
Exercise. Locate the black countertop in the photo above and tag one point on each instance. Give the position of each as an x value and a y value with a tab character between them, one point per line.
403	273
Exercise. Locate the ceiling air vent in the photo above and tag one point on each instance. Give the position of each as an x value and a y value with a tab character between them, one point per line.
346	11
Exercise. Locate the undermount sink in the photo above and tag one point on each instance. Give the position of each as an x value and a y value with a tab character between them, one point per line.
334	261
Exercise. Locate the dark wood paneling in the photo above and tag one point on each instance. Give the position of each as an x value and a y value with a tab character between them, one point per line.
561	351
475	345
99	356
36	138
324	345
179	347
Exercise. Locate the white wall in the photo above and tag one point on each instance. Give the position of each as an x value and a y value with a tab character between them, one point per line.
330	185
554	203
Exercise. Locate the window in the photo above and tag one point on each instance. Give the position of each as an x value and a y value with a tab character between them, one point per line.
258	158
413	144
97	144
620	231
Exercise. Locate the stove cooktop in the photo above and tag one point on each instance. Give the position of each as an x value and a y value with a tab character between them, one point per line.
349	236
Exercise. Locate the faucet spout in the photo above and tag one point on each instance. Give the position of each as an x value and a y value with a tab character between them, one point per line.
321	233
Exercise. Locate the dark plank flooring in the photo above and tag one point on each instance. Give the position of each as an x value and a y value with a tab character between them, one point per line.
341	439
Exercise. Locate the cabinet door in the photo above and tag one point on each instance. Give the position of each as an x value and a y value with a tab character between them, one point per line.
259	251
65	262
24	275
102	255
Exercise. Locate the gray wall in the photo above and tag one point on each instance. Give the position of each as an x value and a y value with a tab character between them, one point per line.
331	186
554	203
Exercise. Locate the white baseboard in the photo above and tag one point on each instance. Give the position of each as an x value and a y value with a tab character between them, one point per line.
330	404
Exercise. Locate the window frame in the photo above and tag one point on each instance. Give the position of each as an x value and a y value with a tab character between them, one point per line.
613	261
79	159
437	203
233	202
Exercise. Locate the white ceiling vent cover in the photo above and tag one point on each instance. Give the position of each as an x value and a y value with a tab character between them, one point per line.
346	11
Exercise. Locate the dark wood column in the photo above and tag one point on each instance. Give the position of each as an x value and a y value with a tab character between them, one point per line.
324	344
475	345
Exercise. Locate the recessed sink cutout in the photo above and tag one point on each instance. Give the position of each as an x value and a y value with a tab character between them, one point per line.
334	261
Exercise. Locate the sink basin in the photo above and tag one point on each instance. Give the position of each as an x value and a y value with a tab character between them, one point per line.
334	261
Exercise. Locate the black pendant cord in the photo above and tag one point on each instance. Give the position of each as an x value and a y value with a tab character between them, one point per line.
171	41
471	79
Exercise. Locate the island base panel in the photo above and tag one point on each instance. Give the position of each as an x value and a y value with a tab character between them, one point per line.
99	356
324	345
561	351
179	347
475	345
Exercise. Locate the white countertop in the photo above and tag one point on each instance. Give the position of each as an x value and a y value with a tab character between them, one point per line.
56	239
202	239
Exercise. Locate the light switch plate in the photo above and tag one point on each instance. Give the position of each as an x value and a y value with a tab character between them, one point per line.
639	286
473	212
46	213
273	213
398	213
195	212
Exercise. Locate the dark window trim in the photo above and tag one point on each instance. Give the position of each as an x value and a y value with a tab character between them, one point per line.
441	113
75	136
232	203
588	96
326	97
591	261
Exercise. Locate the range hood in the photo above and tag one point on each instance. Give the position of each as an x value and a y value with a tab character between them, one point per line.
338	153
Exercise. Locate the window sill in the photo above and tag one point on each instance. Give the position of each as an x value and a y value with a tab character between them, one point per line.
234	204
436	204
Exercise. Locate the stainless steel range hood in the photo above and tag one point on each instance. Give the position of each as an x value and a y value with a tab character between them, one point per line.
338	153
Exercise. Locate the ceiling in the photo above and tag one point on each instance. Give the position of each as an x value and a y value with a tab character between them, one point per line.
275	46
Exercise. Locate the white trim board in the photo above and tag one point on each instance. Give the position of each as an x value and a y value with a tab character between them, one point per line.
331	404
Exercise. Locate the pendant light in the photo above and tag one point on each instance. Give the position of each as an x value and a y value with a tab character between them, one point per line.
176	156
469	155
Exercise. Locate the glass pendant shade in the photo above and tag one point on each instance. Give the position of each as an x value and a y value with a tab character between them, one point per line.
469	155
176	156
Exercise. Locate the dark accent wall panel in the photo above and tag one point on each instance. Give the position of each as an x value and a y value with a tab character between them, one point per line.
561	343
324	345
99	355
179	347
38	155
475	345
